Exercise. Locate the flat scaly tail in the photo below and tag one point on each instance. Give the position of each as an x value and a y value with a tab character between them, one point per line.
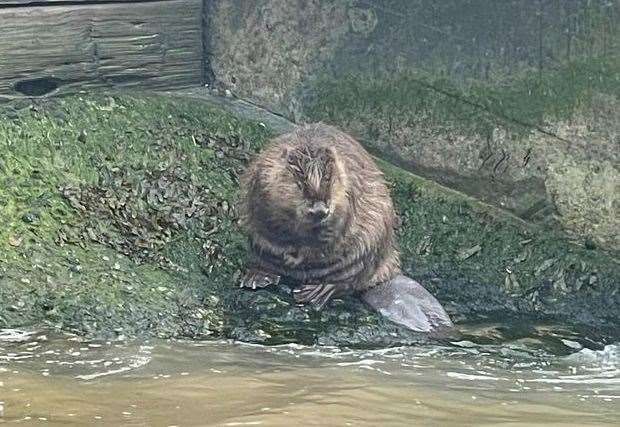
406	302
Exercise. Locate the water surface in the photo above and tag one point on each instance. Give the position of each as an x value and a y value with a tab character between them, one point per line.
547	378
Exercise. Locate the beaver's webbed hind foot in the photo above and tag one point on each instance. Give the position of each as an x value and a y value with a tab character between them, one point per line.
256	279
315	294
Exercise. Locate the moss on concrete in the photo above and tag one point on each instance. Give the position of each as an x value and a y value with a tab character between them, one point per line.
517	104
120	219
504	142
484	261
114	212
587	198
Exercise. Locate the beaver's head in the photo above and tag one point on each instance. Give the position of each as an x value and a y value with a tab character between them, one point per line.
320	184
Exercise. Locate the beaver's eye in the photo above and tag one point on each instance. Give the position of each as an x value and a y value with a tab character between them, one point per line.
292	158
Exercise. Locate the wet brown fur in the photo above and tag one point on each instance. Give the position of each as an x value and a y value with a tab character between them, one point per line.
354	248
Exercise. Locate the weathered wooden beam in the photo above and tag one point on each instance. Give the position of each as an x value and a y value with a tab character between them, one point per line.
17	3
153	45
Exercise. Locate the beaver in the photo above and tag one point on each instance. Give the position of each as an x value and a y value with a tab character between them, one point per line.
317	210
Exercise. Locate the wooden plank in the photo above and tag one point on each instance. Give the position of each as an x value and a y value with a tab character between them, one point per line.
15	3
152	45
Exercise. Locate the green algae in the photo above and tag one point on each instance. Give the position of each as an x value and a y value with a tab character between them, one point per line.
452	241
508	142
519	104
115	262
84	250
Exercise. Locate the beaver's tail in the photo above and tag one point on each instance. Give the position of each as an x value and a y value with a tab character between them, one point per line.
406	302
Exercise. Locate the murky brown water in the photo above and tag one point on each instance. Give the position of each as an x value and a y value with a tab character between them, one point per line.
62	380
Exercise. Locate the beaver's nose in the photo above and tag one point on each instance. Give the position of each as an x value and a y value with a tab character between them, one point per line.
319	211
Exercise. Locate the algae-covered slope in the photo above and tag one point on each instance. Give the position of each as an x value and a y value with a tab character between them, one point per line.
543	145
119	216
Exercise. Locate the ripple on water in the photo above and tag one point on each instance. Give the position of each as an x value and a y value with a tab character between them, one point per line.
68	354
520	374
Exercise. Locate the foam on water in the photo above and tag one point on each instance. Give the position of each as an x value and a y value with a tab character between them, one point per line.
518	375
15	335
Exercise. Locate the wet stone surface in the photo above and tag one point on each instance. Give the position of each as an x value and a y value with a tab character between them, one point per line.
146	243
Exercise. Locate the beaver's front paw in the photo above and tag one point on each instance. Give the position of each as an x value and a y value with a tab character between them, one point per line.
330	232
255	279
292	259
326	235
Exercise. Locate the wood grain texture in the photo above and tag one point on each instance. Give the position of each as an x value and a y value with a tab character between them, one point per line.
152	45
11	3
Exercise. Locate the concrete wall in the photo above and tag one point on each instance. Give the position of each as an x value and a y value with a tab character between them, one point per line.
512	101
